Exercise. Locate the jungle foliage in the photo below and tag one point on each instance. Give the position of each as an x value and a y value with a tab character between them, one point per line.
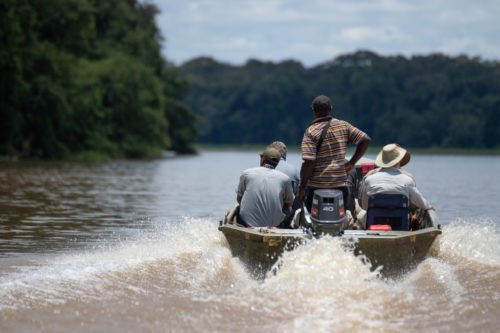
422	101
86	78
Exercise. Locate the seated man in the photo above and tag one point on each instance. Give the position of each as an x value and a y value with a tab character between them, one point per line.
264	194
389	178
285	167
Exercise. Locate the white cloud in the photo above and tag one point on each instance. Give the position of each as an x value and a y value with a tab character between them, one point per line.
370	35
314	31
473	47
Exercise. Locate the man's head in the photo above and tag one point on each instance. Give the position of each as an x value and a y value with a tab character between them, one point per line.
392	155
270	156
321	106
279	146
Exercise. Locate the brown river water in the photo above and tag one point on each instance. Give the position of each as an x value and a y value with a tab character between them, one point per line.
133	246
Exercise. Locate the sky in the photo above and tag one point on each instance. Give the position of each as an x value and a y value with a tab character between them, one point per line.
317	31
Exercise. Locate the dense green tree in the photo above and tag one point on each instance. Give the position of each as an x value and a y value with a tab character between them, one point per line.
83	76
422	101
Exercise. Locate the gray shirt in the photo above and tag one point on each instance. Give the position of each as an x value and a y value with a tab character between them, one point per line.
263	193
391	181
291	171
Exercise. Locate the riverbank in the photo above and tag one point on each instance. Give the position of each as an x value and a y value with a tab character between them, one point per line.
95	156
371	149
99	157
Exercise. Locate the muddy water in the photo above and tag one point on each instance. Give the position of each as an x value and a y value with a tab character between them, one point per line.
134	246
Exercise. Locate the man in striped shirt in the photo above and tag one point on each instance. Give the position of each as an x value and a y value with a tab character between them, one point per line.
325	167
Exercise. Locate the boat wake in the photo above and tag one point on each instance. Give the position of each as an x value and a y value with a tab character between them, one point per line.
319	284
469	240
187	254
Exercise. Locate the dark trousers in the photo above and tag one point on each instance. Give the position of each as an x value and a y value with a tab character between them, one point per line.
348	202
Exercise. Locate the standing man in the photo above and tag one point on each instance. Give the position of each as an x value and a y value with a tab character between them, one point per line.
285	167
264	194
323	149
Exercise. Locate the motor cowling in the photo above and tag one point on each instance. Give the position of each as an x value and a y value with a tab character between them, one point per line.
328	214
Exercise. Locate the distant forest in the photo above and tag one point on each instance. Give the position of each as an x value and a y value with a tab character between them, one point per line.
422	101
86	79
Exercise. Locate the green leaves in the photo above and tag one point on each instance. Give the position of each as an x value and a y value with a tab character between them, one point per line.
85	79
422	101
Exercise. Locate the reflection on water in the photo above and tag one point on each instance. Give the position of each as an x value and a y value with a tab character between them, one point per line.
48	206
134	246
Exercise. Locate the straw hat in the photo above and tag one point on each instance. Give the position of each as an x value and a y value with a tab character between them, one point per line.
391	155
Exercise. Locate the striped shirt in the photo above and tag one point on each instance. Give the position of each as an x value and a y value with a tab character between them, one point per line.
329	170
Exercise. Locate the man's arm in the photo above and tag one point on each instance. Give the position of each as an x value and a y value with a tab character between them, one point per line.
306	172
360	151
362	196
288	196
287	208
417	199
241	188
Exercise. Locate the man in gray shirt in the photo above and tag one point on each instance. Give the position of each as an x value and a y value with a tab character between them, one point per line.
265	195
285	167
391	178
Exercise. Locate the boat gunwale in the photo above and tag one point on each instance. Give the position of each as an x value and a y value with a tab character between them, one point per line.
300	233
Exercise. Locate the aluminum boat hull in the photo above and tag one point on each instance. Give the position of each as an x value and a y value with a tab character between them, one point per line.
395	252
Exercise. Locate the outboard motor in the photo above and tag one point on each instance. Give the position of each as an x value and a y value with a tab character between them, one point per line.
328	213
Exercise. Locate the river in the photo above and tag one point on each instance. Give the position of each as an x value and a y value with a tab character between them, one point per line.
133	246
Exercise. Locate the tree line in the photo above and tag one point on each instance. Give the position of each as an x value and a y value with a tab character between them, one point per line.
86	77
420	101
